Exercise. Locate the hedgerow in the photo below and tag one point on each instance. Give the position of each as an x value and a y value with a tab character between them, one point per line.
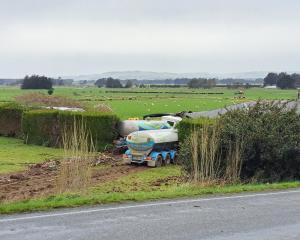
45	127
41	127
102	127
10	119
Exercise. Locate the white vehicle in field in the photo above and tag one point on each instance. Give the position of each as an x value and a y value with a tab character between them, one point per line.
159	145
155	147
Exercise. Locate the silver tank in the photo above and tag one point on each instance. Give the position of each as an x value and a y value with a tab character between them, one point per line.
128	126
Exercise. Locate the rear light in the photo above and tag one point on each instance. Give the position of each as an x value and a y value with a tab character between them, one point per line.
148	158
125	156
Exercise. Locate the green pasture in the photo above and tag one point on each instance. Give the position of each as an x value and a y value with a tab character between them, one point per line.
16	156
138	102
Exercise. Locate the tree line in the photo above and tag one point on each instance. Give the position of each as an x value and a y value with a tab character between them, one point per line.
112	83
43	82
282	80
116	83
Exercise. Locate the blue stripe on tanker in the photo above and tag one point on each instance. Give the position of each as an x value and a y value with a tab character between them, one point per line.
140	146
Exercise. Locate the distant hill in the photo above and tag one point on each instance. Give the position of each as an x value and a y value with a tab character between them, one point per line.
146	75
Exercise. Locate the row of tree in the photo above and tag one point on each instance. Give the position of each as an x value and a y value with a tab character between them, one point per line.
192	83
282	80
112	83
42	82
36	82
201	83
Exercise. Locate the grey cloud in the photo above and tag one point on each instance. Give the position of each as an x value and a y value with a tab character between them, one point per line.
231	17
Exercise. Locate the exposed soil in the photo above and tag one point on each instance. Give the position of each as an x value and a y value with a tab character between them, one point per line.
40	179
168	181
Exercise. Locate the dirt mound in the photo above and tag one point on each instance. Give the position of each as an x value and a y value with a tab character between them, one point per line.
40	179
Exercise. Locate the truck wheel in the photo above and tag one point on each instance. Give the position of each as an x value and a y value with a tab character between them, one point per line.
159	161
175	160
167	160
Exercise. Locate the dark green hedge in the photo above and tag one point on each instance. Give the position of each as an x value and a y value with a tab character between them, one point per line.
186	126
10	120
101	126
45	127
41	127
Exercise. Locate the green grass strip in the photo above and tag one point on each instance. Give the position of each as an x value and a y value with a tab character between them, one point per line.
183	190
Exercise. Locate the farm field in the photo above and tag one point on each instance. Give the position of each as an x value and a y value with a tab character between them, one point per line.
138	102
27	183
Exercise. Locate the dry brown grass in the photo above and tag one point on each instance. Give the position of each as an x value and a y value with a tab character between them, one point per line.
75	169
39	99
234	162
103	108
208	165
205	156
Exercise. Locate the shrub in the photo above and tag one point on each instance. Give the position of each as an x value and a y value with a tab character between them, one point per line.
269	139
10	120
261	143
41	127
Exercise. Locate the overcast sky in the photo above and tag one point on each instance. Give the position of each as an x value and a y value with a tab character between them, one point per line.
70	37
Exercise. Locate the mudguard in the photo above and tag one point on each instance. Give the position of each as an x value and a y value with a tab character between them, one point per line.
154	155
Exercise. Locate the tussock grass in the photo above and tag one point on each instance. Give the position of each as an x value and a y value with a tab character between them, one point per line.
75	169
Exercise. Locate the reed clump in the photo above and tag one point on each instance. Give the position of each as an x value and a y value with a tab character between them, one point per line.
75	169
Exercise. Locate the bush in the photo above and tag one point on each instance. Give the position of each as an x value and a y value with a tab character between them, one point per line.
10	120
45	127
269	134
41	127
261	143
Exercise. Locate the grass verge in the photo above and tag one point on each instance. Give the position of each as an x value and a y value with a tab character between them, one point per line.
150	184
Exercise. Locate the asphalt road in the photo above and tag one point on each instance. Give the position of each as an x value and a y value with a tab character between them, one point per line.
258	216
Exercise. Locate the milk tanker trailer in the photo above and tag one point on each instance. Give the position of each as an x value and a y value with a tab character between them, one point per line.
158	147
150	122
154	147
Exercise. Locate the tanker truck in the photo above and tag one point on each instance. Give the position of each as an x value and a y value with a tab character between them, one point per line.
149	122
154	147
160	146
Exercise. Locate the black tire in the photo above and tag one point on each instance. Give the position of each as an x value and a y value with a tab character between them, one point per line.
175	159
167	161
159	161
